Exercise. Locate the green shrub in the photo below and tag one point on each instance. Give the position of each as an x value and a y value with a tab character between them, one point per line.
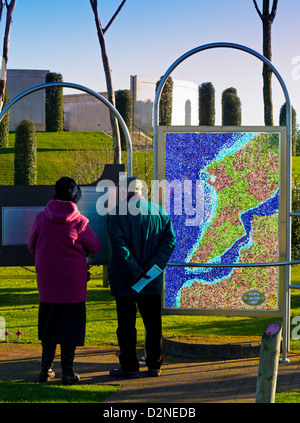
282	122
4	124
124	105
54	107
25	172
207	104
165	104
231	108
295	250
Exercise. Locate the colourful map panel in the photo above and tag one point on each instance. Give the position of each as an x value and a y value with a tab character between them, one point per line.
228	212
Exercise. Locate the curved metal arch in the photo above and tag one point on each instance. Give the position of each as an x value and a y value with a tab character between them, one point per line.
207	47
286	326
89	91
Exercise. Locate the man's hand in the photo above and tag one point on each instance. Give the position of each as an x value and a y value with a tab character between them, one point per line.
143	275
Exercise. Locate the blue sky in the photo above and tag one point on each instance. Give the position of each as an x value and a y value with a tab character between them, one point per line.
149	35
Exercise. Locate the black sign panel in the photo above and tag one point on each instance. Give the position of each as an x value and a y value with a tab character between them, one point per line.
19	204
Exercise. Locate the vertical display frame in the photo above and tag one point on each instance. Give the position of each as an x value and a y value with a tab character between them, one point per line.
248	311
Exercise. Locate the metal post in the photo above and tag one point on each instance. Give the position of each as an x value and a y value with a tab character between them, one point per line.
89	91
287	269
286	318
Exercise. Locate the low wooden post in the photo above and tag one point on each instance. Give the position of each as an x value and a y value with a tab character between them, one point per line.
268	364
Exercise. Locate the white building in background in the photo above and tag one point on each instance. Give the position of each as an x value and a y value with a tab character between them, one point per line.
31	107
184	107
83	112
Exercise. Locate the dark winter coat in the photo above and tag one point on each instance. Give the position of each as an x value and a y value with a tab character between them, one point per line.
139	240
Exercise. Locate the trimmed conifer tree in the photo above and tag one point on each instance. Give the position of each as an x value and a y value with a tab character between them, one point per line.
231	108
207	104
54	107
124	105
282	122
25	172
166	102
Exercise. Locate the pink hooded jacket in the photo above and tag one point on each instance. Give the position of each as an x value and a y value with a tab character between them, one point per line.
58	239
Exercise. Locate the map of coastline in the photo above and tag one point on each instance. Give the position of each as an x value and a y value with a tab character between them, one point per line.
240	226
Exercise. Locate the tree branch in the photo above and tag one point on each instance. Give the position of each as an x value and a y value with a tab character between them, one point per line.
10	9
273	12
257	9
114	16
94	5
2	4
108	78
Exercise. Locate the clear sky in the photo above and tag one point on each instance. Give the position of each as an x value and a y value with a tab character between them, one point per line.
149	35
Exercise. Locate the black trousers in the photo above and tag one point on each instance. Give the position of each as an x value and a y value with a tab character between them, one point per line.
150	309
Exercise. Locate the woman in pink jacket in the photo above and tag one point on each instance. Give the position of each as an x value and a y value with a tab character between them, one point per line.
60	240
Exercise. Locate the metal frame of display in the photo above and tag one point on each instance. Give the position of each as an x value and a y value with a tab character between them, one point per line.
281	130
287	263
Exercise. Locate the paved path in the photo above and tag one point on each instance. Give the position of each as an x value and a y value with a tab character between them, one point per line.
183	380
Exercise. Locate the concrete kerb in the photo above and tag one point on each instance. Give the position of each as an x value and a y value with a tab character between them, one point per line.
220	351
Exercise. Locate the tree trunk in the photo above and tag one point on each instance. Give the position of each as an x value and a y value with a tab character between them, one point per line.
267	20
111	99
267	73
10	8
109	85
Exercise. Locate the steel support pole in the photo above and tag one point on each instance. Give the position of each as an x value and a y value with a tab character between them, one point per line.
286	317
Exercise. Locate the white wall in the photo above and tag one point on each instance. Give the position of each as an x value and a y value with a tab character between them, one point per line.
185	101
31	107
83	112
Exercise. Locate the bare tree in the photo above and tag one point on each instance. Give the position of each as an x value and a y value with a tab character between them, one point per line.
267	19
108	77
10	8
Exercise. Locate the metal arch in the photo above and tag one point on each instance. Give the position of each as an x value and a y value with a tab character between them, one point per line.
197	50
286	325
89	91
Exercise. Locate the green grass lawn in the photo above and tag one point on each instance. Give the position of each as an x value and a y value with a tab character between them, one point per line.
19	306
58	154
296	165
287	397
29	392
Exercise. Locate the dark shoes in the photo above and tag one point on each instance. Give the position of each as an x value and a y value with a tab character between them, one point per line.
46	374
132	375
123	373
67	379
153	372
70	379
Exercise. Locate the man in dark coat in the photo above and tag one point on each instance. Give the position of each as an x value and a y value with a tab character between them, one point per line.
141	236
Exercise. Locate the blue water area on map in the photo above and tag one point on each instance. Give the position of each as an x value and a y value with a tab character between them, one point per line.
187	155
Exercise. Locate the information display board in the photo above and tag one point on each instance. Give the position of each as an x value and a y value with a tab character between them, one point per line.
19	206
222	189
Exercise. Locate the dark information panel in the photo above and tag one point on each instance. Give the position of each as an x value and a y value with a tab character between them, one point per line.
19	204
